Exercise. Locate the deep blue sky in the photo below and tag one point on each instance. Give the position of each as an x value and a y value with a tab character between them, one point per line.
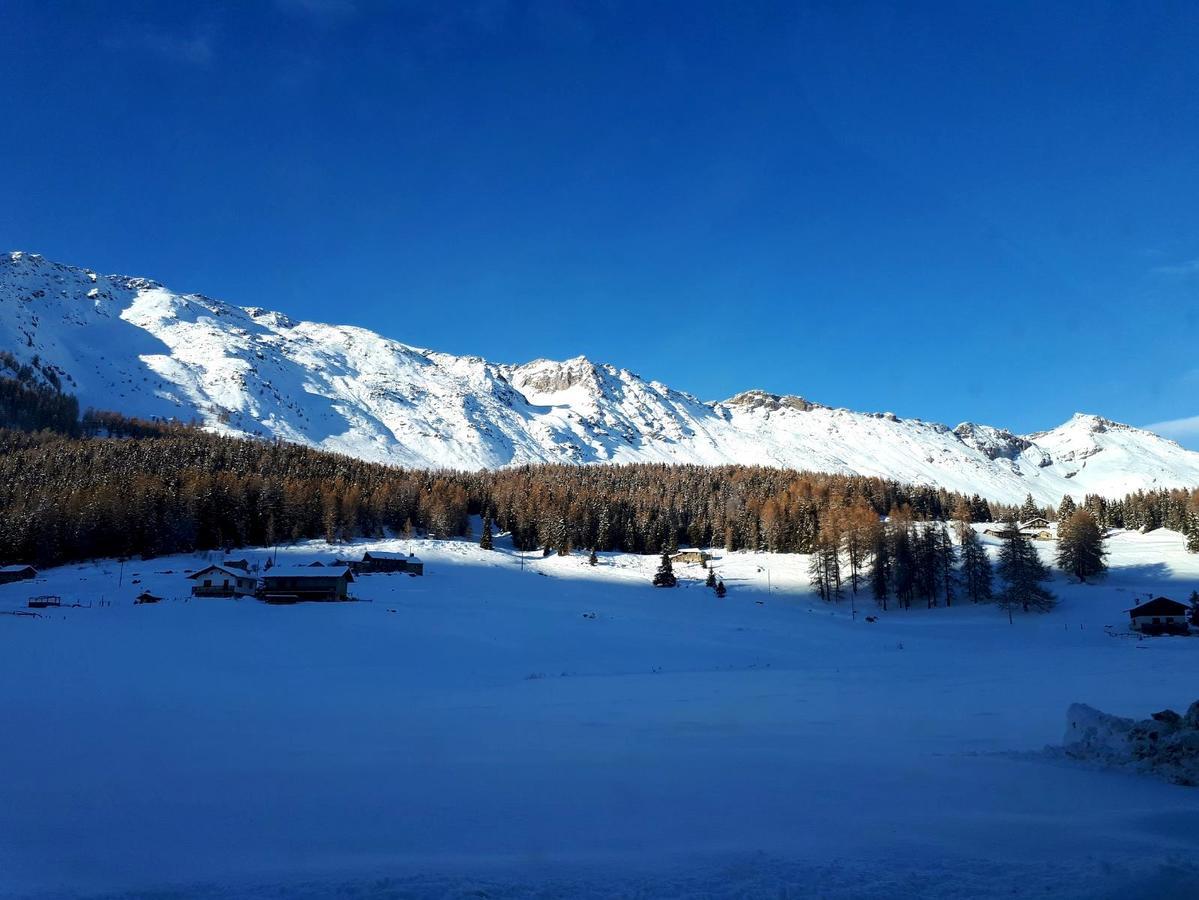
983	211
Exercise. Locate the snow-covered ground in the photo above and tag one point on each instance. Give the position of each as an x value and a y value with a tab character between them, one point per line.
566	731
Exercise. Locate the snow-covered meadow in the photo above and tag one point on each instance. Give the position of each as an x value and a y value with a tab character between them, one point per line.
557	730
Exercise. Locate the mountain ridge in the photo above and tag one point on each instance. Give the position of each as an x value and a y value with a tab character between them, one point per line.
131	344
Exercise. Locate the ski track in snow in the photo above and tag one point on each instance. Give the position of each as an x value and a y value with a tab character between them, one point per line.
132	345
472	734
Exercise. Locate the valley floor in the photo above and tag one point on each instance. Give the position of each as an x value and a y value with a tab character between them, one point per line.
562	730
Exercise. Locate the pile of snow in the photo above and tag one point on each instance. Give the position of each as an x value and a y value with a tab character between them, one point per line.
133	345
1165	745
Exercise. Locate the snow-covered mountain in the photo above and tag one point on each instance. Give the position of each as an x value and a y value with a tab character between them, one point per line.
132	345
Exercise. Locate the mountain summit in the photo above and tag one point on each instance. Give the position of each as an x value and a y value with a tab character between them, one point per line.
133	345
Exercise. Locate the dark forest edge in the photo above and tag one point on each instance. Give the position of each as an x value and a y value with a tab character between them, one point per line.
102	484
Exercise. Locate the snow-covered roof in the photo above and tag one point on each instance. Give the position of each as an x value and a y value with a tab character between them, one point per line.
386	554
8	570
1160	606
307	572
232	573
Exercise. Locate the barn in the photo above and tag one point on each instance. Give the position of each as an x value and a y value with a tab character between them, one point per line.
290	584
385	561
9	574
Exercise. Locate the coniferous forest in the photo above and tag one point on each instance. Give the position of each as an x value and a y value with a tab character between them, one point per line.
108	485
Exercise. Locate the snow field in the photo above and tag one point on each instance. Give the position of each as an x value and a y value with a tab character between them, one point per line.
477	730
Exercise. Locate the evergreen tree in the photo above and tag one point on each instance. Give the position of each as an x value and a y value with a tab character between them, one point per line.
946	563
976	567
1023	574
1029	509
880	568
592	559
1080	546
903	566
664	577
485	542
1066	508
711	580
720	590
1192	533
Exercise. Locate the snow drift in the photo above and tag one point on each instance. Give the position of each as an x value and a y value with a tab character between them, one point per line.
1165	745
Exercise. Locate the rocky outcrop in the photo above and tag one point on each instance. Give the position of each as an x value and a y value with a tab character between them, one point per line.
1165	745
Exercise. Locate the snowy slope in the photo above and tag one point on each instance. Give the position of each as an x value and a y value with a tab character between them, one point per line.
132	345
541	728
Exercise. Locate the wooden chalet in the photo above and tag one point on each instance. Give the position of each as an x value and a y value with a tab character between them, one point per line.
146	597
9	574
1161	615
384	561
222	581
292	584
691	556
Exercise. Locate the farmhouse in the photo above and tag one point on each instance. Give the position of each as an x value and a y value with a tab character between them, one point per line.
146	597
1160	615
290	584
221	581
383	561
691	556
9	574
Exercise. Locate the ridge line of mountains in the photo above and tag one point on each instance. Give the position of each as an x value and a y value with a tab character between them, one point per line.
132	345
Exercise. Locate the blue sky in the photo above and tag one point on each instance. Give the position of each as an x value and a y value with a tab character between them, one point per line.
957	211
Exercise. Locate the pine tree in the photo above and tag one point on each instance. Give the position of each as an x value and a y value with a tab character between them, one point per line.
1192	533
664	577
1080	546
880	568
720	590
1029	509
711	580
1066	508
592	559
1023	573
485	542
976	567
946	563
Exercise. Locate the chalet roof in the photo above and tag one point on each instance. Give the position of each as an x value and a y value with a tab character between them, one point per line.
321	572
232	573
386	554
11	570
1160	606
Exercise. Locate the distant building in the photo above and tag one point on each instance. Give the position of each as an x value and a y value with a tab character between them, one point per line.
146	597
291	584
1036	523
1161	615
9	574
691	556
222	581
243	564
384	561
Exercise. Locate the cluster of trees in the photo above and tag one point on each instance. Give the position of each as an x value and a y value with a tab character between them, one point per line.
28	404
109	485
903	562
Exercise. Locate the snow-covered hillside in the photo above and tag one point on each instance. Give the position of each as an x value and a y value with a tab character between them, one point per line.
132	345
552	729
